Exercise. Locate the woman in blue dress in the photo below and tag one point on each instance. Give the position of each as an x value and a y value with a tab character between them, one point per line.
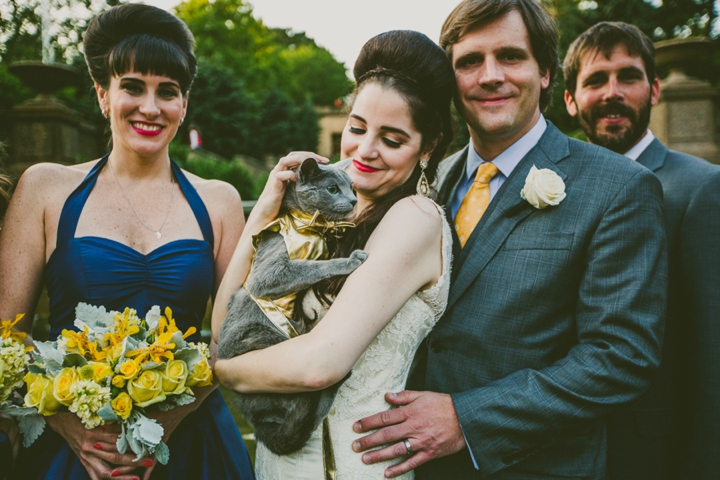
129	230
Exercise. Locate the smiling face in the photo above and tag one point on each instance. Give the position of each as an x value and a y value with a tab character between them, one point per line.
613	98
145	111
499	83
382	141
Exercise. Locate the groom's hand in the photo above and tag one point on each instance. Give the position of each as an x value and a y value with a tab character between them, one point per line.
426	419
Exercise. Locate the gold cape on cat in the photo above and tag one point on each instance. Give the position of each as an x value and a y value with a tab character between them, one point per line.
304	237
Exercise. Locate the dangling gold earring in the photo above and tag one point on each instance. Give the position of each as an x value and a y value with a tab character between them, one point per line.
106	113
182	120
423	187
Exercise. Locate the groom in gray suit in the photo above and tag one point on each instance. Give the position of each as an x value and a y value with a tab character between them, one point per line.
555	315
673	430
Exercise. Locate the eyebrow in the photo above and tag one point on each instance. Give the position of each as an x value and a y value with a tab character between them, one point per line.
604	73
140	82
384	127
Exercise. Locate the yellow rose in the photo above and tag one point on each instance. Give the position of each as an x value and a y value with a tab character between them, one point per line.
201	375
40	394
118	381
174	377
62	384
101	371
128	369
146	389
122	405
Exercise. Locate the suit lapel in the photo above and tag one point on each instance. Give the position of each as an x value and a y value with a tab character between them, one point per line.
506	210
653	157
450	174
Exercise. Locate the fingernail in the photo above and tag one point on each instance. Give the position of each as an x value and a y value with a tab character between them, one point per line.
115	473
356	446
366	459
97	446
392	395
357	427
148	463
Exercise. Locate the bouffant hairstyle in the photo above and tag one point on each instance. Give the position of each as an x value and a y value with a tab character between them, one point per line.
5	187
415	67
139	38
603	38
541	26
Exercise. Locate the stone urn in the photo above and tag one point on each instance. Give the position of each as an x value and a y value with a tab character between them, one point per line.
43	129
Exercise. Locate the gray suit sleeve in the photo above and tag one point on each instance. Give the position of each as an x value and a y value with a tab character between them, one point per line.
619	321
699	250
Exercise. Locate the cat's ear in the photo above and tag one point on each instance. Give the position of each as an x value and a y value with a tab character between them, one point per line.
309	168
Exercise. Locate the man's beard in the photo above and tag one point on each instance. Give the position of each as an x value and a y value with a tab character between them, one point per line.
618	138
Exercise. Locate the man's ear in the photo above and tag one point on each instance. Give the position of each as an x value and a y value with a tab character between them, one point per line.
570	104
655	91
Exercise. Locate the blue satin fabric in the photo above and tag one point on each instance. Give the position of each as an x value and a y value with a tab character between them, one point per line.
179	274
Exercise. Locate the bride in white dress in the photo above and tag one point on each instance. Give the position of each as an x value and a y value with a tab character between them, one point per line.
395	136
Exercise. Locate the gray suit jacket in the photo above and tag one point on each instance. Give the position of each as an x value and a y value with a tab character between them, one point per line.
673	430
555	316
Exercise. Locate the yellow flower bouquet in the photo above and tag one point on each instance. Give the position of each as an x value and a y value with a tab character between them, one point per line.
14	362
115	366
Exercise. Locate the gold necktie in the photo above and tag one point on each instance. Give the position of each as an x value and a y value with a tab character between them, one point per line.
475	202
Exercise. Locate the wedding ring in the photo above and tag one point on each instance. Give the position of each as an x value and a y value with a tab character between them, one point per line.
408	447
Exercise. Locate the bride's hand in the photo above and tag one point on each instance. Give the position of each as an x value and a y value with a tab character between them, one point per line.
96	448
268	205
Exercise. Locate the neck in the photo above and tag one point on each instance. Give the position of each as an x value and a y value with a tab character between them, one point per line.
489	145
129	164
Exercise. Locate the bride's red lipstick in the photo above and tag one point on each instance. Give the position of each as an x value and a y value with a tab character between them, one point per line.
364	168
149	133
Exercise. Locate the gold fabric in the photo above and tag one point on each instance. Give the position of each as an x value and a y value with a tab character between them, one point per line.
328	452
475	202
305	238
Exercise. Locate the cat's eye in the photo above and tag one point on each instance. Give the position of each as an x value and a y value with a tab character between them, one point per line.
333	189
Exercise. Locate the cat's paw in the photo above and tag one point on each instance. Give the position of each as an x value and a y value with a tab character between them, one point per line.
359	256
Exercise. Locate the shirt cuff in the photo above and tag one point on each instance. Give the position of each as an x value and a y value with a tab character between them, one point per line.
475	464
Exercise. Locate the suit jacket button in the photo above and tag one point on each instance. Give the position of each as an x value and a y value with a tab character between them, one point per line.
513	457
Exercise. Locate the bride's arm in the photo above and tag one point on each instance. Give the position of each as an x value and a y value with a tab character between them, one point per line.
265	211
404	256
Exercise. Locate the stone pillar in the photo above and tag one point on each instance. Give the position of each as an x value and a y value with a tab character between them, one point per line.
332	124
45	130
684	119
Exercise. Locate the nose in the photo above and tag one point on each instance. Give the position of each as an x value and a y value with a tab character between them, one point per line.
492	73
367	147
353	202
613	90
149	106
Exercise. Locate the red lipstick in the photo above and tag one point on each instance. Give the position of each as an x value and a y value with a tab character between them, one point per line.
149	133
364	168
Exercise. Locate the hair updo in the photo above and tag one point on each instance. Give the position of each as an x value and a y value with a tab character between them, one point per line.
417	69
139	38
414	66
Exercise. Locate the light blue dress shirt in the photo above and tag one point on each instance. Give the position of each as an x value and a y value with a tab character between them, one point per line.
505	162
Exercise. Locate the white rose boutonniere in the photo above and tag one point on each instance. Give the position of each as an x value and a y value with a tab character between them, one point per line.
543	188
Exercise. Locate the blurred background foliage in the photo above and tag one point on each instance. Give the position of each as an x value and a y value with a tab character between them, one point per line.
257	87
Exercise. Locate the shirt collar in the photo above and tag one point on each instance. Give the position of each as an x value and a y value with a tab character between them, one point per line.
509	159
640	146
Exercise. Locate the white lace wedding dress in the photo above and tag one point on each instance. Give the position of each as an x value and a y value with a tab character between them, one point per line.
383	367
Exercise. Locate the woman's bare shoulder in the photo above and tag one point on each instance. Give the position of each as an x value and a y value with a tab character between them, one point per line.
53	179
216	194
413	220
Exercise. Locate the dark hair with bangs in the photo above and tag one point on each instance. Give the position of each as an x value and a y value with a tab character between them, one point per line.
415	67
540	24
603	38
139	38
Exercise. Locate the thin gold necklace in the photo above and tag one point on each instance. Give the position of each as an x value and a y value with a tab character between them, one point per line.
167	214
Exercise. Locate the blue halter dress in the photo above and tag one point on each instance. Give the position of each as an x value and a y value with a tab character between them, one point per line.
179	274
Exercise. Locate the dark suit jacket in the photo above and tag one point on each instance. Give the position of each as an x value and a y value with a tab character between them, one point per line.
555	316
673	431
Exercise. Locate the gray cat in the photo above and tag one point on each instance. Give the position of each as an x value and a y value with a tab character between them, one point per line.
284	422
